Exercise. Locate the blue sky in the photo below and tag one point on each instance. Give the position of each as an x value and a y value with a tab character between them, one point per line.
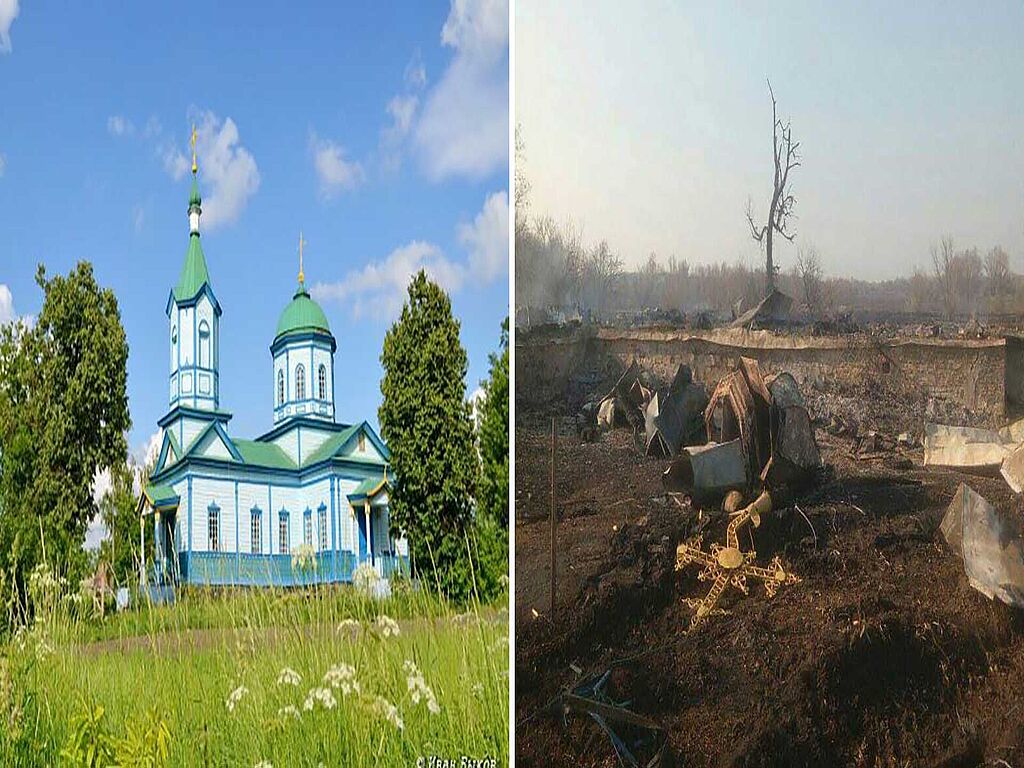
380	131
650	125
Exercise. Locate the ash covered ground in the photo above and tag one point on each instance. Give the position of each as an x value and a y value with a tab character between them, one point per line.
882	655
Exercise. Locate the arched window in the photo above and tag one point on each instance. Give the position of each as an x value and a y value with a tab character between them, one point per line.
213	512
282	532
174	334
280	387
255	530
300	383
322	381
322	520
204	344
307	528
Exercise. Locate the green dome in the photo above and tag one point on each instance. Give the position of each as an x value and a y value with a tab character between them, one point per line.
302	314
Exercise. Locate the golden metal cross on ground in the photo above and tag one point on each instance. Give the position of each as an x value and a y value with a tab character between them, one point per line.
302	274
193	142
727	565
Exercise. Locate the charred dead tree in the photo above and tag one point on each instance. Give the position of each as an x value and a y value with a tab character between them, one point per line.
787	157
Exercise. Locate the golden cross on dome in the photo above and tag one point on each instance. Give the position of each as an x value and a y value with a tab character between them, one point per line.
302	275
194	166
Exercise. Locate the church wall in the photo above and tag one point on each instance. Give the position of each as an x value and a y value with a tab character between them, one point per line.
313	439
204	492
323	357
253	495
186	336
289	443
190	429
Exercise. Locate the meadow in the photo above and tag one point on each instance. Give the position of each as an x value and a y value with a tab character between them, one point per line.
322	676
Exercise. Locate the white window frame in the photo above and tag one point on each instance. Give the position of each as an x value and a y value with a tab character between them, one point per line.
204	345
213	527
256	530
322	521
322	381
283	532
300	382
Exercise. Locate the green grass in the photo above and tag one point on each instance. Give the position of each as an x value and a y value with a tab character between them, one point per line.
186	660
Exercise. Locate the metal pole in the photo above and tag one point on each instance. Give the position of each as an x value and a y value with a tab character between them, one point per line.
553	520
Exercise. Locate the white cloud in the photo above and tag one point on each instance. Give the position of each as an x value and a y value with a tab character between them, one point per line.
486	238
3	163
402	109
7	313
380	288
415	72
463	127
226	168
8	13
102	482
334	171
120	126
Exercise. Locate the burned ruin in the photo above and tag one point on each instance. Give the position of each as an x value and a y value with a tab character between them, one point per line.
775	547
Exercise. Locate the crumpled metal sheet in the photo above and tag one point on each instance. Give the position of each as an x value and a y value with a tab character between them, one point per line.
1012	469
739	408
966	448
674	417
991	544
708	472
794	451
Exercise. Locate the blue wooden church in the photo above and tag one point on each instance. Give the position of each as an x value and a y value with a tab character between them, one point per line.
306	502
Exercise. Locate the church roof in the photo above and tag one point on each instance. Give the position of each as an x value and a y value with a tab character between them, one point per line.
194	274
264	454
368	488
302	314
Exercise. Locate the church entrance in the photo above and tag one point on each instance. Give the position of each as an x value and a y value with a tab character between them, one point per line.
167	548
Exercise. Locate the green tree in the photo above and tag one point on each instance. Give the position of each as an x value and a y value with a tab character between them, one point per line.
63	416
425	420
492	493
118	509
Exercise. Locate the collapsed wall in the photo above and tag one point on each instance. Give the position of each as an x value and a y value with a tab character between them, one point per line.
983	375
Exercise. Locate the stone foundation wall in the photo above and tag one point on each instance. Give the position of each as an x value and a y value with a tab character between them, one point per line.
971	373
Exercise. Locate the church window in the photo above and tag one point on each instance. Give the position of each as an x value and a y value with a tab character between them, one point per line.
282	532
307	529
322	382
322	519
300	383
213	512
256	530
362	442
280	387
204	344
174	334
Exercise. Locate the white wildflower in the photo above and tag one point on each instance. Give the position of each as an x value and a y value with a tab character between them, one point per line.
349	625
478	690
387	626
463	619
235	697
289	711
364	579
264	764
389	712
288	676
43	648
342	676
304	558
418	688
322	695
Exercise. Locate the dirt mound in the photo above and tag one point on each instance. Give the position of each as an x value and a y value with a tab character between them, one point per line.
881	656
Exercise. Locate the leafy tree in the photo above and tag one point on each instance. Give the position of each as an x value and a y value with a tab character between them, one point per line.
118	509
492	494
63	416
425	420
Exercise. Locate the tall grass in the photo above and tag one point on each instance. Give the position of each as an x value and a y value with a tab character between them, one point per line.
256	677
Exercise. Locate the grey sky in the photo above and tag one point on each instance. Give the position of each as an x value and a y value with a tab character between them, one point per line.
650	125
